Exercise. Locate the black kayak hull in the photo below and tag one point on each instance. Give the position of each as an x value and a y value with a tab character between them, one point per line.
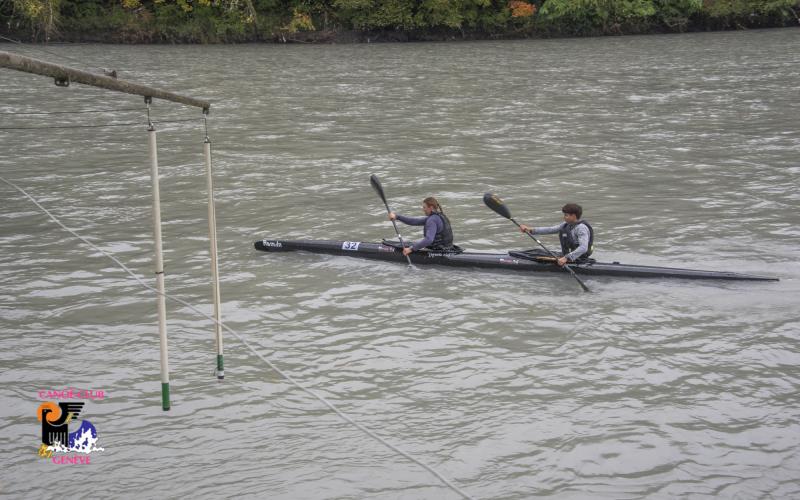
381	251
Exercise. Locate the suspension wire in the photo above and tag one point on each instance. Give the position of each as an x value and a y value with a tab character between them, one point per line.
61	56
269	363
148	101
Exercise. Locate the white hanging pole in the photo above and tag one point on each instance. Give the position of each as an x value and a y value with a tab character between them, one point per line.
212	237
63	76
159	262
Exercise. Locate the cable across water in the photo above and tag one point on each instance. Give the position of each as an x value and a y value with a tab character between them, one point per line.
269	363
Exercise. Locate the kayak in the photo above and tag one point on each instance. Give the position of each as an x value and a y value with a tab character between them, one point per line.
520	261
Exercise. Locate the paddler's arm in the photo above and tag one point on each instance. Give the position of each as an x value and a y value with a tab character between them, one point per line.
429	234
540	230
552	230
411	221
583	246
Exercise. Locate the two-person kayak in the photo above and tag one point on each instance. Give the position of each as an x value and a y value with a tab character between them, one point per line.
519	261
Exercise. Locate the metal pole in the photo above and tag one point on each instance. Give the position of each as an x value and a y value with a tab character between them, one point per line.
162	306
212	236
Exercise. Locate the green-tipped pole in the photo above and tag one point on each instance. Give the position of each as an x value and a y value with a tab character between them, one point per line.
165	396
159	264
212	237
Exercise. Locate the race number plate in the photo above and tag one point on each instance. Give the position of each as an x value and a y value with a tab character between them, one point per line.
350	245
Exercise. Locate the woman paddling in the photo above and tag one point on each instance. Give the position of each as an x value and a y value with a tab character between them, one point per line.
437	234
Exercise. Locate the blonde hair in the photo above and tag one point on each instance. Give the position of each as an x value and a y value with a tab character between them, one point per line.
431	202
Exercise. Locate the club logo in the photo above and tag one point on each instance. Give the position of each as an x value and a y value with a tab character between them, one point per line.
59	444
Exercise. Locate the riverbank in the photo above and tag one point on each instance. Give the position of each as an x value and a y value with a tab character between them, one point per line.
135	22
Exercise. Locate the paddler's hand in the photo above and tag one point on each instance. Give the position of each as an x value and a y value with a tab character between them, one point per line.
525	229
407	250
392	216
561	261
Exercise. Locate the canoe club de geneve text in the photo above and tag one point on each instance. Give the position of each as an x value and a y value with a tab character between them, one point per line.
72	394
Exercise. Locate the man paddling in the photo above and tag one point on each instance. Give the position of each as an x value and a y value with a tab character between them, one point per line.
437	234
576	235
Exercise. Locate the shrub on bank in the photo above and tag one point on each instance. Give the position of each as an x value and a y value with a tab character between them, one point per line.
220	21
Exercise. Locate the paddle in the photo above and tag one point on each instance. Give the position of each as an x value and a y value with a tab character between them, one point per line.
495	203
376	185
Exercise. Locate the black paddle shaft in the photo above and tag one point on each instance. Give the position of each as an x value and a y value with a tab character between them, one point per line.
376	185
535	239
565	266
495	203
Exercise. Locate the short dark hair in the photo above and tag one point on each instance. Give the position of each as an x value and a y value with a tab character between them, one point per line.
572	208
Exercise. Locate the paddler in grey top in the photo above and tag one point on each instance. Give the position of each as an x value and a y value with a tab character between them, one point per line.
576	235
437	234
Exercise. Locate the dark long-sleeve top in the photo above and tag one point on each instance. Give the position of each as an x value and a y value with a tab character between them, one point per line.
432	225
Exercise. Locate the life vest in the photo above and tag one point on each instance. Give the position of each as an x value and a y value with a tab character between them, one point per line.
569	243
444	238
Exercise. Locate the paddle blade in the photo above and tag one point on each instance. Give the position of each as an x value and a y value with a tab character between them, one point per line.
376	185
495	203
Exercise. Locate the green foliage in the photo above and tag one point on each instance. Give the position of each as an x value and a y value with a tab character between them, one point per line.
376	14
419	15
676	14
730	8
433	13
41	17
737	13
210	21
597	16
300	22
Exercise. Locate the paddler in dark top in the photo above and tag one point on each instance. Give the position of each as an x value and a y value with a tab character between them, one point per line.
438	235
576	235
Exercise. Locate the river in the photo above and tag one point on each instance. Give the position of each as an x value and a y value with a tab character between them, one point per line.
682	149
